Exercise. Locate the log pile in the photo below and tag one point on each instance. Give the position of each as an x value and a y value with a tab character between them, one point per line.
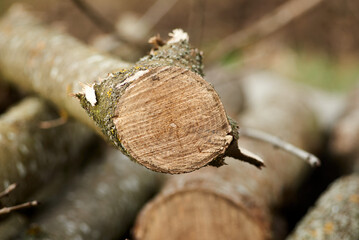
237	199
164	93
162	114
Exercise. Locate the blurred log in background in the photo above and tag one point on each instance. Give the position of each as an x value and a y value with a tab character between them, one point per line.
317	48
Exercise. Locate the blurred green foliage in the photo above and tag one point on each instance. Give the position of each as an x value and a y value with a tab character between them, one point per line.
325	72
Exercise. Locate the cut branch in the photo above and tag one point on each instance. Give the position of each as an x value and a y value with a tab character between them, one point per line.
236	201
7	210
335	215
9	189
160	112
279	143
49	62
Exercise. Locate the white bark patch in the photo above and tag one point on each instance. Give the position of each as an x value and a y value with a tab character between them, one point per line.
133	77
177	35
90	94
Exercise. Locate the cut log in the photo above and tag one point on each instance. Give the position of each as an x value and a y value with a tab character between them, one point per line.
30	156
235	201
335	215
48	62
100	203
160	112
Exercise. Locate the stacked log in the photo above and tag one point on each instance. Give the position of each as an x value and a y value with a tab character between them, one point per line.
235	201
160	111
29	155
335	215
100	203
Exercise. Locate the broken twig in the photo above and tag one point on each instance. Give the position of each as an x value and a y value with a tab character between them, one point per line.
279	143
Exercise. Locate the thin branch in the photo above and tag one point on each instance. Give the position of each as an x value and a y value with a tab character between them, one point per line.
196	21
279	143
265	26
155	13
9	189
94	16
245	155
7	210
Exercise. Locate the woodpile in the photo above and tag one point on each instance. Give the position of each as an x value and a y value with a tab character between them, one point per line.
237	199
60	180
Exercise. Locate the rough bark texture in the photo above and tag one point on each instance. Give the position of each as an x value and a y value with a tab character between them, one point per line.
101	202
29	155
335	215
234	201
345	135
49	62
149	111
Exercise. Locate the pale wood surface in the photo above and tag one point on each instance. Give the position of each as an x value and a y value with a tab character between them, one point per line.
171	120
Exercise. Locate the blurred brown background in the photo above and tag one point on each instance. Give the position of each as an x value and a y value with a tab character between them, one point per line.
320	47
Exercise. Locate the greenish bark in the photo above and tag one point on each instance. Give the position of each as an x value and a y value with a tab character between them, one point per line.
108	93
100	203
48	62
29	155
335	215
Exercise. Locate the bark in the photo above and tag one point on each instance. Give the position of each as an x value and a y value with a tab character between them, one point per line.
101	202
48	62
235	201
30	156
345	134
335	214
160	112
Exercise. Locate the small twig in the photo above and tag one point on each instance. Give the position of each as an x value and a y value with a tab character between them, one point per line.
244	155
279	143
7	210
265	26
9	189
